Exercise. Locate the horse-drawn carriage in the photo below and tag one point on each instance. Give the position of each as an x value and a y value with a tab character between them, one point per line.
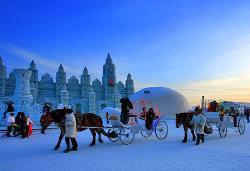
214	121
234	120
126	133
116	131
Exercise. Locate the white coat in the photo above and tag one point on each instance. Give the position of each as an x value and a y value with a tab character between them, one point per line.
11	120
70	126
198	122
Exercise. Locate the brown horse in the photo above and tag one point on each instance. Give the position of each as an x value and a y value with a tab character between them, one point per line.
89	121
184	119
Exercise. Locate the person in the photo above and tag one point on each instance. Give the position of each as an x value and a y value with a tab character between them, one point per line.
71	132
150	116
18	123
143	113
23	124
247	114
234	114
221	114
199	121
126	105
11	124
10	109
107	117
29	126
46	108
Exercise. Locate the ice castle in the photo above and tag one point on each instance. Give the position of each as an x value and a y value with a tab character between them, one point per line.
29	93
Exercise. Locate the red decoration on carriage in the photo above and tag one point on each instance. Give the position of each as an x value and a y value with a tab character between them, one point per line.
139	105
137	111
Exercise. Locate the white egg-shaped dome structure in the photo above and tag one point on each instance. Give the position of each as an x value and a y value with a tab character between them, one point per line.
166	100
111	111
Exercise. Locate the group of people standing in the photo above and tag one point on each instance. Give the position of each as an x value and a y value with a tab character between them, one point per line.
19	124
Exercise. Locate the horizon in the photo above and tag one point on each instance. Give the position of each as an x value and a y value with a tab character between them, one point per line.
199	48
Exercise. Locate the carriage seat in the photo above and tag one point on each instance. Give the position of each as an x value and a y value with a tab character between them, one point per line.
113	117
143	118
212	117
115	121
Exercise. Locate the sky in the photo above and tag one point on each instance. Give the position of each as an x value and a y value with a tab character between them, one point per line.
197	47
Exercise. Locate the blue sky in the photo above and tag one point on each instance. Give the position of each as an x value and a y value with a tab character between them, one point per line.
196	47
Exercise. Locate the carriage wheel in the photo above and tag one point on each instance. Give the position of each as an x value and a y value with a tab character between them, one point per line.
146	133
117	131
223	130
241	126
127	136
161	130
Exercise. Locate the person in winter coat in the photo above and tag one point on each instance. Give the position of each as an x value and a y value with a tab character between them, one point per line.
11	124
247	114
234	114
10	109
71	132
29	126
23	124
199	121
126	105
17	122
150	116
221	114
143	113
46	108
107	117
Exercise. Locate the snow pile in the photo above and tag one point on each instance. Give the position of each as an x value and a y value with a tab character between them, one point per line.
111	111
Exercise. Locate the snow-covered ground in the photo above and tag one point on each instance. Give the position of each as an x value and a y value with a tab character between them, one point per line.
36	153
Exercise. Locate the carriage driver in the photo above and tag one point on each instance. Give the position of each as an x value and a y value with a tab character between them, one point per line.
234	114
126	105
221	113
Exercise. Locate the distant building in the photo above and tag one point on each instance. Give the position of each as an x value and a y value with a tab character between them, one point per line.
83	96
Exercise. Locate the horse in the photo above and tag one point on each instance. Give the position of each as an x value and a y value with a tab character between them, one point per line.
85	121
184	119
